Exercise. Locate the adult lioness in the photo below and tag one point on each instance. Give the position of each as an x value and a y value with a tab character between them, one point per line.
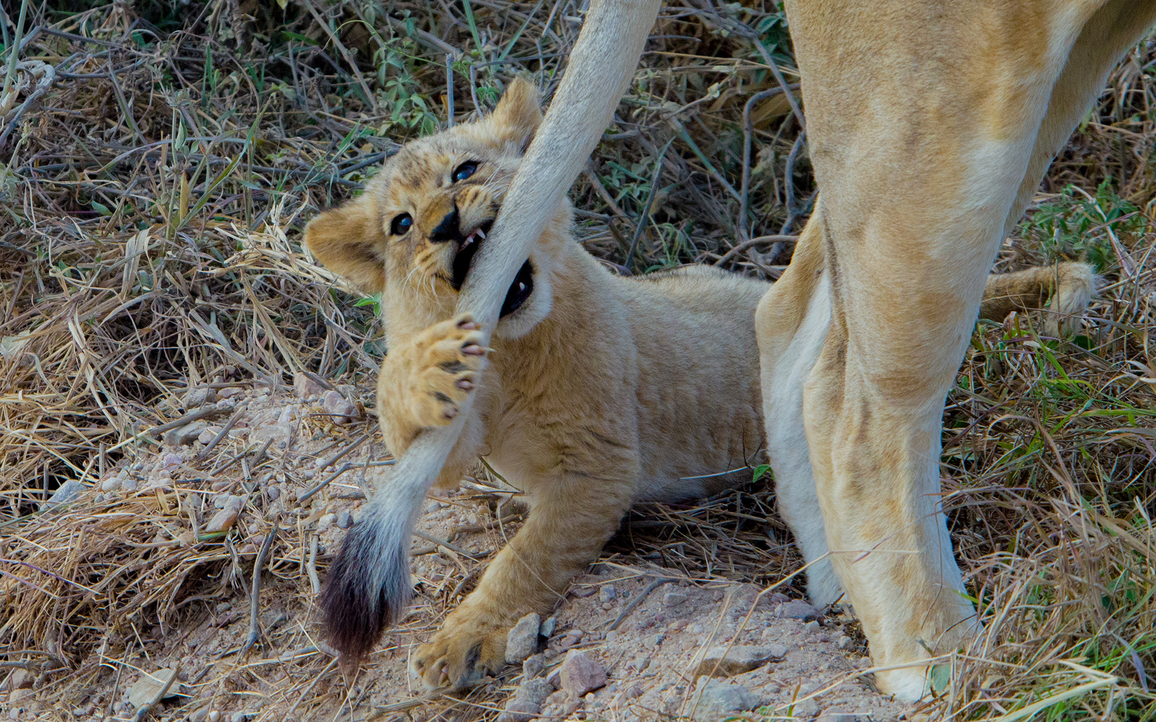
601	391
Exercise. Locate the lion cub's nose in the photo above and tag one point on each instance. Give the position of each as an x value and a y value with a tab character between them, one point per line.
448	229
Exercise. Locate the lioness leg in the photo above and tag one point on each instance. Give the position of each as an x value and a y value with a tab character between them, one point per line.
924	127
568	524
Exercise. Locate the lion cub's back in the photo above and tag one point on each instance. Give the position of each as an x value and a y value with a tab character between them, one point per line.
698	360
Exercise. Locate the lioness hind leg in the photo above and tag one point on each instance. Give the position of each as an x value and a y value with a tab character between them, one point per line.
568	525
911	210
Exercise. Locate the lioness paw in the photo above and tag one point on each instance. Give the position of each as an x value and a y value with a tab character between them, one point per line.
461	654
448	356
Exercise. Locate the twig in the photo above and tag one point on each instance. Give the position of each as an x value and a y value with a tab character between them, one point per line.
789	182
201	413
221	434
729	255
644	219
450	89
638	600
255	594
748	133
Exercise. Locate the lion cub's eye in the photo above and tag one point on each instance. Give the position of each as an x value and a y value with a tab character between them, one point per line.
400	224
463	171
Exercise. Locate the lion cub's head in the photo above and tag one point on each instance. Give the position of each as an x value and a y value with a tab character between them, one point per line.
413	234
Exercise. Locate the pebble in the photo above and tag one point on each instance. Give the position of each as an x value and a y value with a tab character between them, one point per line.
806	709
238	717
208	434
522	639
344	520
812	627
129	485
185	435
21	679
149	686
228	393
274	493
223	520
196	398
796	609
580	673
325	522
335	404
110	484
547	628
715	700
305	387
724	661
172	460
607	593
674	599
68	492
527	701
534	666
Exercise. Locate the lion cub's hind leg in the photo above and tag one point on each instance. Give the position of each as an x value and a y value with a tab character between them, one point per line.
1071	287
426	380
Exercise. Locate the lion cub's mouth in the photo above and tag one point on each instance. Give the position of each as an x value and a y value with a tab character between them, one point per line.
468	247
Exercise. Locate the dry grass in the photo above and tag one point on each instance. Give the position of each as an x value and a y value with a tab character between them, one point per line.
153	186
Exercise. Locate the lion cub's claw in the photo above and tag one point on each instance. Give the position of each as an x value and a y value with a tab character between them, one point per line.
448	356
459	657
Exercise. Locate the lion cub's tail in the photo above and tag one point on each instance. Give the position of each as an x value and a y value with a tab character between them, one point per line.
1070	286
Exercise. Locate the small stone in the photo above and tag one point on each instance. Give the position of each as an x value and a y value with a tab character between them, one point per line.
843	641
226	501
534	666
812	627
185	435
715	700
806	709
607	593
344	520
796	609
129	485
214	716
274	493
196	398
223	520
304	386
674	599
110	484
238	717
547	628
433	506
522	639
21	679
279	433
68	492
19	695
581	674
171	460
723	661
208	434
336	405
227	393
527	701
149	686
325	522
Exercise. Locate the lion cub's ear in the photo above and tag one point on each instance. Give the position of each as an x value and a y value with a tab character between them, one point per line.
350	242
517	116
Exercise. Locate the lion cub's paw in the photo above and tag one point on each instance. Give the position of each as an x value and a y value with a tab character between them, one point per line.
461	655
447	356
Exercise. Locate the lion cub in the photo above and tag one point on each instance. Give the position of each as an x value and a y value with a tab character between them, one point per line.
599	391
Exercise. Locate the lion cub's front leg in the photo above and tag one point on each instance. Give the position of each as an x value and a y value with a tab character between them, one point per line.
425	380
566	529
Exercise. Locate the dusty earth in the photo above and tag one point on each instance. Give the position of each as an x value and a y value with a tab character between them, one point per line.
626	642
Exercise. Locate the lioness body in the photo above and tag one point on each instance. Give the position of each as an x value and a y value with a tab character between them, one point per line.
599	390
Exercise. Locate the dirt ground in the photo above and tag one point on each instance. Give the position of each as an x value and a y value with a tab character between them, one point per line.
646	626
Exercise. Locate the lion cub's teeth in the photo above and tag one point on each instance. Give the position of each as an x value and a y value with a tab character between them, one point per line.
481	234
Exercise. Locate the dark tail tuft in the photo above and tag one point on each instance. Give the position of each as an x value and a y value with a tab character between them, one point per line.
367	588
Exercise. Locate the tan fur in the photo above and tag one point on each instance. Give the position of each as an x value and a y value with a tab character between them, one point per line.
600	390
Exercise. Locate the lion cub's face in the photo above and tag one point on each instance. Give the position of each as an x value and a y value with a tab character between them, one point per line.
413	234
